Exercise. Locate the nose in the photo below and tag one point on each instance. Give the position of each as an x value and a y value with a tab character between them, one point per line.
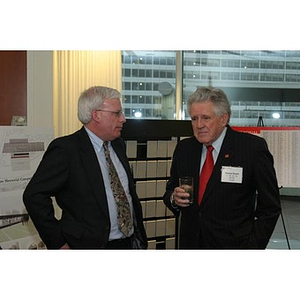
200	123
122	118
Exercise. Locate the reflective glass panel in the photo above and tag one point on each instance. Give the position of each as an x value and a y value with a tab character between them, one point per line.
261	85
148	84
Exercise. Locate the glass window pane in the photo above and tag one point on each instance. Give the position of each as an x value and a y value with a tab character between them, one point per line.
148	80
257	83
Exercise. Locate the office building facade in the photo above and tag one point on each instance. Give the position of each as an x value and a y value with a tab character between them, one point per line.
261	85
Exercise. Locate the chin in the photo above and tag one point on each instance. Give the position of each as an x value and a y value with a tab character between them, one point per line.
202	139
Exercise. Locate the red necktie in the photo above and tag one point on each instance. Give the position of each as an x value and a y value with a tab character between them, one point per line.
206	172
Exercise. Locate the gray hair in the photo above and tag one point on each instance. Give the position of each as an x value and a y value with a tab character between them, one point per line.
216	96
92	99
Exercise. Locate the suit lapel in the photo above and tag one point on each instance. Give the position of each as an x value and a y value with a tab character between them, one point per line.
226	152
118	149
92	170
121	153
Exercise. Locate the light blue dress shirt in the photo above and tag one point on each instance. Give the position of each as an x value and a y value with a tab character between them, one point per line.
115	233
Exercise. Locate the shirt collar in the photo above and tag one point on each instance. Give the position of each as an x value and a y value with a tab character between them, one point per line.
218	143
96	141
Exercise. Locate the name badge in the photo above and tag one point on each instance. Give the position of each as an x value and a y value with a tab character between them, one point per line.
232	174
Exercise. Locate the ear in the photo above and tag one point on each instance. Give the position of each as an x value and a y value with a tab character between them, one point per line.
225	118
95	116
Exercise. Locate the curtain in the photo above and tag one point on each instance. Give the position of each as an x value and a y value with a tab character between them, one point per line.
75	71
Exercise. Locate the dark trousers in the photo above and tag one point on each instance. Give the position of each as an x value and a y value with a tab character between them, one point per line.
120	244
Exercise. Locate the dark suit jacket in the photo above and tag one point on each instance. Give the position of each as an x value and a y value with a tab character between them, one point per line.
70	172
231	215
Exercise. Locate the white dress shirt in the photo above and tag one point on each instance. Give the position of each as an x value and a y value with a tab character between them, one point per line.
217	147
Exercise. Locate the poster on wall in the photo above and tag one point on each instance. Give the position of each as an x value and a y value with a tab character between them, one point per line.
21	150
284	144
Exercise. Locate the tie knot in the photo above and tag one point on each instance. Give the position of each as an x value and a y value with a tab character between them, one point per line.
210	148
105	145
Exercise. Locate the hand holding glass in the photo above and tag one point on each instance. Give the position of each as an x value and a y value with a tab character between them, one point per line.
187	184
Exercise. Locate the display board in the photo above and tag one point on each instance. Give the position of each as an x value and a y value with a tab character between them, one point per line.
150	147
284	144
22	149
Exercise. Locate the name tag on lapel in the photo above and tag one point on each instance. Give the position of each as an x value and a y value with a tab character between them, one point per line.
232	174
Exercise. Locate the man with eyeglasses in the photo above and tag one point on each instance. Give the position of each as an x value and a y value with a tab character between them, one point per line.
81	171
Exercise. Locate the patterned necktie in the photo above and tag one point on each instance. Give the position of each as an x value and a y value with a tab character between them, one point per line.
123	209
206	172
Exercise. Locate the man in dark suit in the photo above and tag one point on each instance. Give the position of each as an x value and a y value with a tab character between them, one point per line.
74	170
241	203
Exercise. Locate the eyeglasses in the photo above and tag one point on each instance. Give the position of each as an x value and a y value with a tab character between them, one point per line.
118	113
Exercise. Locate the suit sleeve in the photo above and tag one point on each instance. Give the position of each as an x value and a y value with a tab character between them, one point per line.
172	182
268	206
48	179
